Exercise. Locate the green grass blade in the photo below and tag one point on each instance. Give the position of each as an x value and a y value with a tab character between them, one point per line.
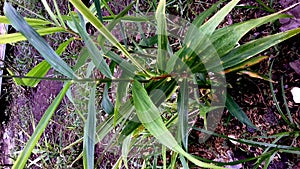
62	47
51	14
83	56
149	115
209	27
16	37
38	42
248	50
200	20
246	64
43	67
102	29
265	7
225	39
285	102
184	162
107	126
275	99
18	81
115	21
26	152
95	53
31	21
268	160
249	142
237	112
59	16
198	43
90	132
126	66
126	145
162	33
121	93
99	9
106	104
182	106
164	156
40	70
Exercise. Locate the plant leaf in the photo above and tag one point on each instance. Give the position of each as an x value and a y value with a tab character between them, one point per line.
90	132
149	115
50	13
237	112
26	152
31	21
99	9
95	53
102	29
106	104
226	39
200	20
18	81
255	75
246	64
38	42
121	93
40	70
43	67
182	106
162	33
16	37
248	50
209	27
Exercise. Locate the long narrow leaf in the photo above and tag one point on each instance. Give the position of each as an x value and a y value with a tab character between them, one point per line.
225	39
96	55
26	152
39	70
31	21
16	37
90	132
237	112
43	67
115	21
38	42
59	16
149	115
51	14
182	105
200	20
248	50
162	33
106	104
102	29
99	9
246	64
209	27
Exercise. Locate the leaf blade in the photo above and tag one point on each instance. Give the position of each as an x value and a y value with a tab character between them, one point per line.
95	53
38	42
90	132
16	37
237	112
162	33
25	154
103	30
149	115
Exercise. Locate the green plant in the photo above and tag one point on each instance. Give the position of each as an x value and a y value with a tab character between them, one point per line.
150	78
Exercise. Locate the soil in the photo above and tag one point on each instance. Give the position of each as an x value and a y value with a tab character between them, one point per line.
253	95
